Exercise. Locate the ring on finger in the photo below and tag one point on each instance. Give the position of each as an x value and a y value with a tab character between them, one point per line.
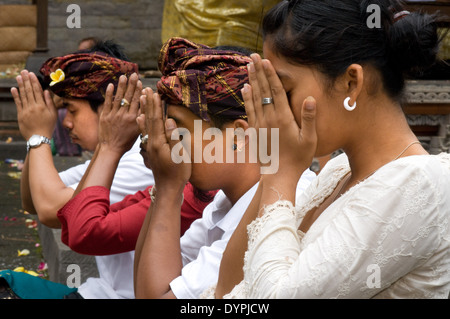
144	139
267	100
124	102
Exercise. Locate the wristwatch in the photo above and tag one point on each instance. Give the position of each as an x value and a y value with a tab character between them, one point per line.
37	140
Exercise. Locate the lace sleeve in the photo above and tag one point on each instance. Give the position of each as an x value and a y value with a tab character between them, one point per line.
281	209
370	239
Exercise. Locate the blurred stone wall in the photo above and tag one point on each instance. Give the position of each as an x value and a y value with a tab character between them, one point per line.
134	24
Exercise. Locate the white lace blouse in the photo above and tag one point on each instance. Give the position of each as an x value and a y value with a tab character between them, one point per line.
386	237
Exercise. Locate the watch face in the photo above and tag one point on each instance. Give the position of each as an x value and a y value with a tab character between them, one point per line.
35	140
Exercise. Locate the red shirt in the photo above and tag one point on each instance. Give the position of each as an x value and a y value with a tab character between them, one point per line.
91	226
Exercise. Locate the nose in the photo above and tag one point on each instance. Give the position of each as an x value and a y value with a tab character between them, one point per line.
67	121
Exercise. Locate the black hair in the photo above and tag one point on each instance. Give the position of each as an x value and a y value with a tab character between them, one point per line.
109	47
235	48
112	49
331	35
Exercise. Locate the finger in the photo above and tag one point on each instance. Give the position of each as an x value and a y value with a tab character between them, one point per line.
140	120
27	86
148	110
248	103
22	95
131	87
263	85
17	100
157	123
256	95
49	102
308	122
107	106
170	125
281	102
121	87
134	106
37	88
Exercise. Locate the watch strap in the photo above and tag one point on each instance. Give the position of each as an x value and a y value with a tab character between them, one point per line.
43	139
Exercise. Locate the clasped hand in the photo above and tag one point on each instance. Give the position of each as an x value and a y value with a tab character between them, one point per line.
118	129
159	146
36	112
297	141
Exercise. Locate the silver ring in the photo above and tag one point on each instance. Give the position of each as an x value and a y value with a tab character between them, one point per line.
267	100
144	139
124	102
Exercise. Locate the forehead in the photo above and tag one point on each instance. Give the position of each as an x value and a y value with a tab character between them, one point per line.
283	68
288	72
180	111
75	103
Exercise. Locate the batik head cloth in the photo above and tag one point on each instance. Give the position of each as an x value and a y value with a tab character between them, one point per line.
203	79
85	75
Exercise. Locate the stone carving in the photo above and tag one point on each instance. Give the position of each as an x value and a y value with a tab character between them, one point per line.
428	92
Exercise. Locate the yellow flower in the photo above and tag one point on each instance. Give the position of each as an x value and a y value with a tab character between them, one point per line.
24	252
30	272
57	76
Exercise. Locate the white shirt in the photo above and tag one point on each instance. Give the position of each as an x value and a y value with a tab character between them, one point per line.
116	271
386	237
204	242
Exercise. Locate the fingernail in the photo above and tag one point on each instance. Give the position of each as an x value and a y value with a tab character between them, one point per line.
246	88
170	124
310	103
251	67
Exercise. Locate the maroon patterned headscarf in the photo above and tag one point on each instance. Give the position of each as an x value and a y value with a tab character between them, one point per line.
205	80
85	75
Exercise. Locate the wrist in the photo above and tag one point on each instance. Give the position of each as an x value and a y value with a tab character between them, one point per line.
167	193
109	149
283	184
166	196
36	140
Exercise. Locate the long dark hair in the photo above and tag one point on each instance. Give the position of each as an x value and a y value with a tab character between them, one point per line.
331	35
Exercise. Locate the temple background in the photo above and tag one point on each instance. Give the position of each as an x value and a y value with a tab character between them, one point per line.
137	24
37	29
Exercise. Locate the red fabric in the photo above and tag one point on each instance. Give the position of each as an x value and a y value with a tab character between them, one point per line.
90	226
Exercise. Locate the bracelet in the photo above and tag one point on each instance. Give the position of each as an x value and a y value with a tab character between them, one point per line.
152	193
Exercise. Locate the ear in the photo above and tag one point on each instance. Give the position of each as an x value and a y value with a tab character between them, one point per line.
240	126
352	81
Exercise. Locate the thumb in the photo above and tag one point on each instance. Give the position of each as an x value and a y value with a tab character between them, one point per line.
308	131
170	126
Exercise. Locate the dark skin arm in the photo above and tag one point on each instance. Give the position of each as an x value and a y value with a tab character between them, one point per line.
265	82
36	114
158	252
118	131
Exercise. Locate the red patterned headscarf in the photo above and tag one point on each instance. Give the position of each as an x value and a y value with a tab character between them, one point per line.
84	75
205	80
